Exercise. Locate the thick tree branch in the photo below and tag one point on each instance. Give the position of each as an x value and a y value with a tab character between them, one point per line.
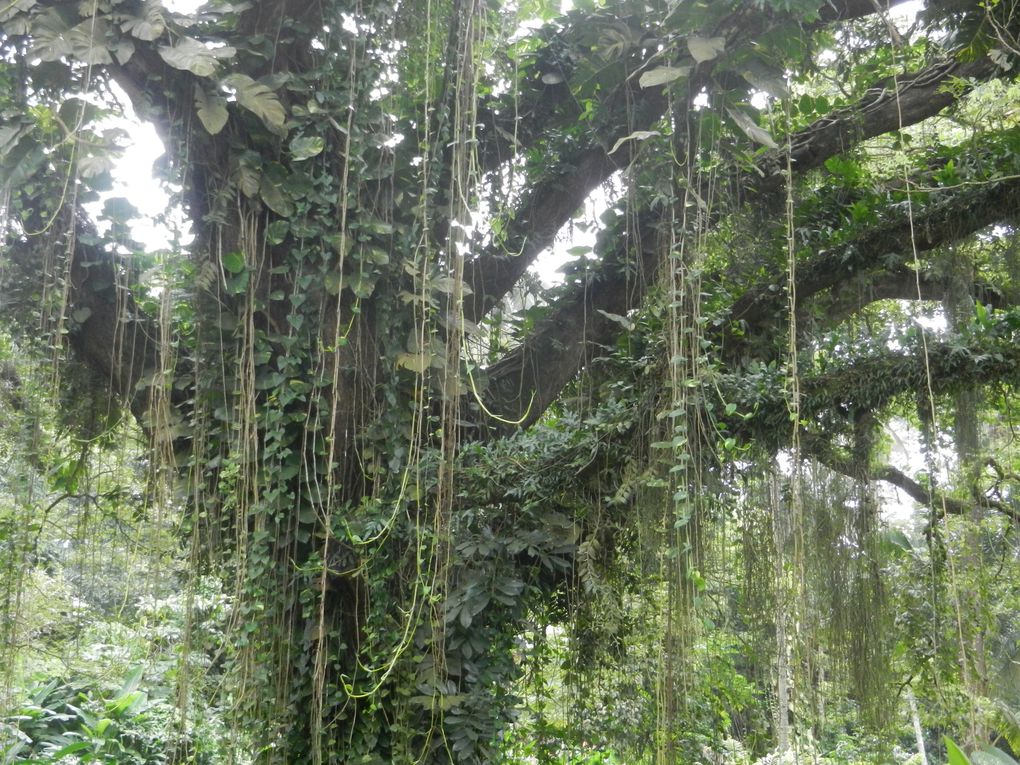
938	501
883	247
848	298
541	214
548	206
550	348
907	100
527	380
831	399
510	125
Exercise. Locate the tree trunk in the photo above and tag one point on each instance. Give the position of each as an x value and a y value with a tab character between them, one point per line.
915	721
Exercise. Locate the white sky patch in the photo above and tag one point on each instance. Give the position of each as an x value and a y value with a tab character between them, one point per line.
935	323
349	23
907	455
577	234
132	176
160	224
760	99
184	7
903	15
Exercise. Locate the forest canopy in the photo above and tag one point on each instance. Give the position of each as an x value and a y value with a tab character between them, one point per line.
338	478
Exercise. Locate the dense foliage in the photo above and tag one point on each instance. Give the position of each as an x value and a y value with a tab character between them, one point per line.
393	499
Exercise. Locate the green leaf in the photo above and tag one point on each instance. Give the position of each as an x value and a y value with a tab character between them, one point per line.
131	681
94	165
12	8
53	38
123	50
247	176
705	48
119	210
637	135
235	285
897	538
21	163
751	129
955	754
48	36
68	750
844	167
211	110
623	321
126	705
147	26
362	285
194	56
272	192
333	282
306	147
259	100
766	79
88	42
989	755
444	284
416	362
276	231
233	262
10	135
662	75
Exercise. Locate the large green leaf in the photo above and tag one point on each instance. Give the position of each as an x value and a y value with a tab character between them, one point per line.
88	42
68	750
416	362
705	48
637	135
148	25
195	56
990	755
93	164
248	179
12	8
211	110
955	754
258	99
751	129
11	135
233	262
306	147
20	158
662	75
765	78
273	193
49	35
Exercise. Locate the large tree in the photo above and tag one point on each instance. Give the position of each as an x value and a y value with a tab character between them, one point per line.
332	371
